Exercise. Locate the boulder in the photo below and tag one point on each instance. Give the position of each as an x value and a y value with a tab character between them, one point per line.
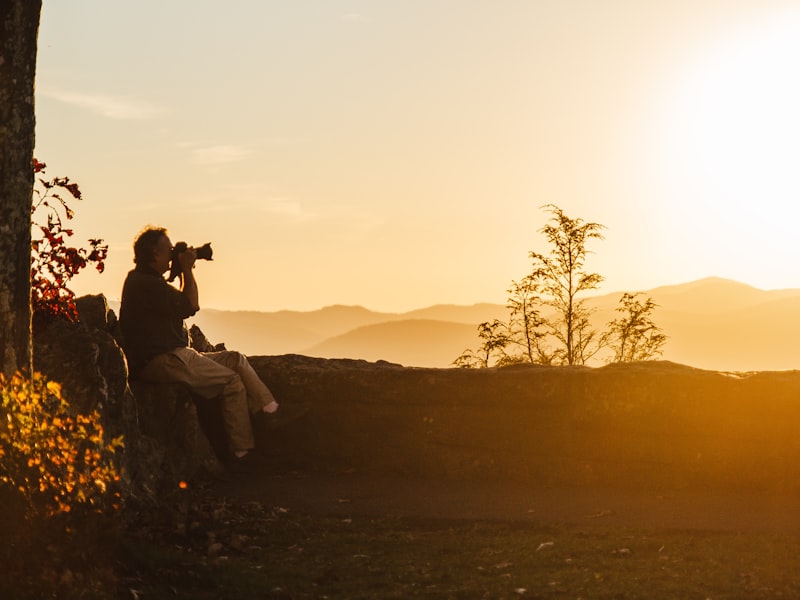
174	445
199	341
91	368
163	436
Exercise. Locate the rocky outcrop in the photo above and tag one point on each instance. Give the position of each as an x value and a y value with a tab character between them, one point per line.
165	441
88	363
173	445
656	425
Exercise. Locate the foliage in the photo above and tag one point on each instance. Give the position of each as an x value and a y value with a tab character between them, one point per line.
634	336
59	482
57	461
525	321
53	261
554	284
495	339
561	278
549	322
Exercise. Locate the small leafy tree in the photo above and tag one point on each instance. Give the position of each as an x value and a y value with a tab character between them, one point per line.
526	322
549	321
562	279
56	458
634	336
556	282
495	339
53	261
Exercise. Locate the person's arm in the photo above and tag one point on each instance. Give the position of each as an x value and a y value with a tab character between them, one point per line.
188	282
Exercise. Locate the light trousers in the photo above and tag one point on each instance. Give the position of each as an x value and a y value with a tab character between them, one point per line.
209	374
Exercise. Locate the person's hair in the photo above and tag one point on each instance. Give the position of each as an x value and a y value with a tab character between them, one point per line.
145	245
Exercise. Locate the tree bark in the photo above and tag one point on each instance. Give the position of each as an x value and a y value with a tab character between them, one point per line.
19	29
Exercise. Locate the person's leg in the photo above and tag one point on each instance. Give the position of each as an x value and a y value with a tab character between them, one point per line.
208	378
267	415
259	397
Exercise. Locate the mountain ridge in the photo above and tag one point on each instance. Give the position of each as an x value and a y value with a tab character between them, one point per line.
712	323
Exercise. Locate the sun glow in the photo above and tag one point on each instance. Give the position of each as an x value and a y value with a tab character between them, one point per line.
732	146
741	108
338	172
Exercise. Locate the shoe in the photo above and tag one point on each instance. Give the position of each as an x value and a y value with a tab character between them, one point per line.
286	413
248	463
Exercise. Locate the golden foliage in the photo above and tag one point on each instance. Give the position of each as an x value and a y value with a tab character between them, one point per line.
59	461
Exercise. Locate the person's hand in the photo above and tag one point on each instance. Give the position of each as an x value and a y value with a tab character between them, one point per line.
186	259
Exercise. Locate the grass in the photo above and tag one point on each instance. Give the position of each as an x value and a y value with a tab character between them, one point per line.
252	551
216	550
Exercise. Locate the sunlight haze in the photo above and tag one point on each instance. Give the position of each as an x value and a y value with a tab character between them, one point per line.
396	155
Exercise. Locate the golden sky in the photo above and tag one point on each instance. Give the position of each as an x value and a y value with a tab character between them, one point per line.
396	154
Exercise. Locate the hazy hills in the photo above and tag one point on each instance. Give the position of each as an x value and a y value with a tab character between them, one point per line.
712	323
424	337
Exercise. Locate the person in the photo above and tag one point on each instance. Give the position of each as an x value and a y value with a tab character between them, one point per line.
156	343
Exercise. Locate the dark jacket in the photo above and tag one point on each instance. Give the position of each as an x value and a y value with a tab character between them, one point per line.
151	317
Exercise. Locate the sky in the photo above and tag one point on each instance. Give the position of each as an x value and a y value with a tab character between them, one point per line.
397	154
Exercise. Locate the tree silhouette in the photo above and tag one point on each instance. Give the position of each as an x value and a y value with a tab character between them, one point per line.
549	321
525	321
561	279
634	336
495	338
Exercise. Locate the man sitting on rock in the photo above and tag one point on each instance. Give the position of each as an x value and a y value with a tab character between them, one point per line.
156	343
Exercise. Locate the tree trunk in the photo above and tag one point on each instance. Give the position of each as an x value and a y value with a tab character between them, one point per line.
19	28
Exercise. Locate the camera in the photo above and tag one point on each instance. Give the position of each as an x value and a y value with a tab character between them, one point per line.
204	252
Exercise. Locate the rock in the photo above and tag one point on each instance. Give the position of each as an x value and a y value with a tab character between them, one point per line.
163	436
93	312
199	341
88	363
170	427
91	368
654	425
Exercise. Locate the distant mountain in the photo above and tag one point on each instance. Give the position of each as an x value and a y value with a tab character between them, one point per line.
286	331
720	324
711	323
412	342
714	294
327	332
477	313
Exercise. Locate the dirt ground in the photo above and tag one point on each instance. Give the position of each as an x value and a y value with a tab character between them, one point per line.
354	494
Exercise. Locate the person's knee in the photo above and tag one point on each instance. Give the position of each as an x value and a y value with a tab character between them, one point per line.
241	359
234	386
233	359
242	364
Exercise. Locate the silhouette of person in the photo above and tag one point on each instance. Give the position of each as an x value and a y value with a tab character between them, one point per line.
156	344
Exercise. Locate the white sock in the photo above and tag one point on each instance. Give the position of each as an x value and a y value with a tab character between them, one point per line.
271	407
